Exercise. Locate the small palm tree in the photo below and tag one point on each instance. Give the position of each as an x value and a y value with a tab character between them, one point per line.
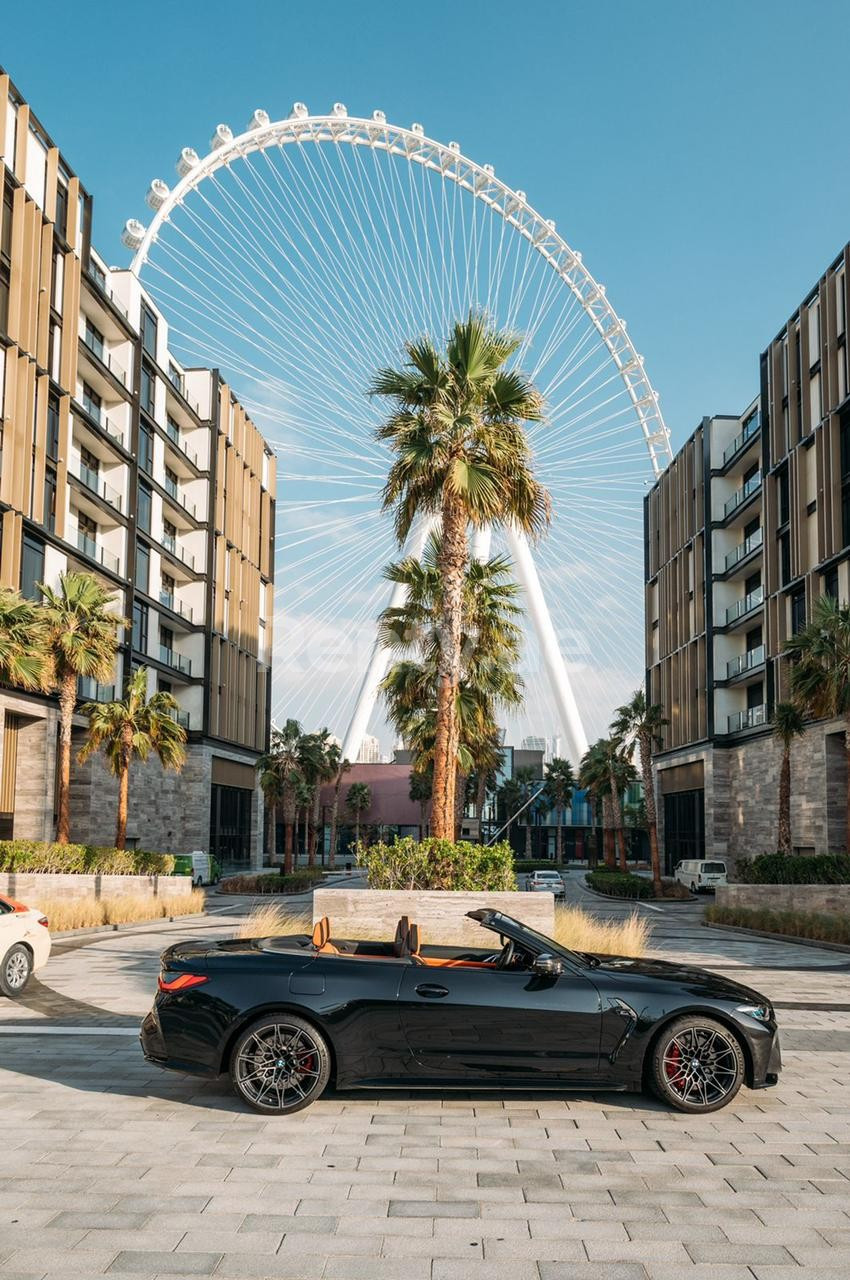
280	774
81	640
511	796
820	670
131	729
340	767
22	651
528	783
638	722
560	784
461	452
317	769
358	801
605	773
788	724
420	793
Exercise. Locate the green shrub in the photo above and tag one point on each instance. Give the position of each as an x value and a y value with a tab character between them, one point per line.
673	889
81	859
795	924
438	864
298	881
778	868
619	884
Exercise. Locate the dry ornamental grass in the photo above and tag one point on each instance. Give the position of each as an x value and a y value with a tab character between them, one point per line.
127	908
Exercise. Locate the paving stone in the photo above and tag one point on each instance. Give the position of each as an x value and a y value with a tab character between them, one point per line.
146	1261
434	1209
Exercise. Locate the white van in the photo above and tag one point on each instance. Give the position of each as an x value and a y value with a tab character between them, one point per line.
700	876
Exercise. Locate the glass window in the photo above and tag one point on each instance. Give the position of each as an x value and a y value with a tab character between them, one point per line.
784	498
91	401
52	426
143	515
784	558
49	499
4	298
798	611
32	567
94	339
140	627
143	567
148	331
830	582
146	448
58	279
147	389
62	209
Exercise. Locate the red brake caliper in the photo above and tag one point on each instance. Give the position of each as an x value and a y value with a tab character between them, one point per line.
672	1064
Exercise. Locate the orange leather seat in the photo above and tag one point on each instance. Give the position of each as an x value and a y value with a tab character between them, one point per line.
439	962
322	935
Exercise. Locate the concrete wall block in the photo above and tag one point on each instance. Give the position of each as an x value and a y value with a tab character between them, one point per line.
831	899
33	885
440	914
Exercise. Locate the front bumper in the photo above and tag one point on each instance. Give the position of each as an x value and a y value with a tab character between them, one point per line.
767	1061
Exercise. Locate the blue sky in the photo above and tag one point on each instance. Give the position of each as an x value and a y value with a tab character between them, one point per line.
696	154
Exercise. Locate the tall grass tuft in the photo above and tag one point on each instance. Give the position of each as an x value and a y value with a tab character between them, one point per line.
126	908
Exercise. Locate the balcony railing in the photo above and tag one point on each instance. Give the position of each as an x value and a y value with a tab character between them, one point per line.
173	490
745	491
173	546
741	607
745	662
744	548
94	273
178	382
92	480
749	719
183	718
750	430
105	357
176	606
175	660
177	440
89	690
102	419
96	552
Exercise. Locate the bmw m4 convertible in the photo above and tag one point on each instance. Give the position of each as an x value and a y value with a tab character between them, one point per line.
286	1015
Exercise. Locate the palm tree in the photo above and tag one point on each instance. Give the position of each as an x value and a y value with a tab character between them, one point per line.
788	724
595	776
280	774
638	722
560	784
461	453
304	792
527	780
22	656
420	793
129	729
317	769
342	766
81	640
820	670
358	800
511	796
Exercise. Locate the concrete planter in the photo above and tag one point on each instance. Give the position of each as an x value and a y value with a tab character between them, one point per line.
29	886
439	913
826	899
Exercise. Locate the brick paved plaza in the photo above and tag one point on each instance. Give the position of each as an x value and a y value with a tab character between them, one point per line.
109	1166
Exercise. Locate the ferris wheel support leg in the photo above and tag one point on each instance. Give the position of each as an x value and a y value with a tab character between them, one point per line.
559	680
480	543
379	659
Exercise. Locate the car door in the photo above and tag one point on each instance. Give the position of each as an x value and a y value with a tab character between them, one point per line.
475	1023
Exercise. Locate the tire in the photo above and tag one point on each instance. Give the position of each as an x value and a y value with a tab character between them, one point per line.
15	970
280	1064
694	889
711	1085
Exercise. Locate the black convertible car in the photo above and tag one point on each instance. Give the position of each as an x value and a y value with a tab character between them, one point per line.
286	1015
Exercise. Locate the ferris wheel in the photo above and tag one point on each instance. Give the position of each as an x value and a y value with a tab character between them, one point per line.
299	256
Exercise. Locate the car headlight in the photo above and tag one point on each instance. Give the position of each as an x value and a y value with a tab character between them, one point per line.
761	1012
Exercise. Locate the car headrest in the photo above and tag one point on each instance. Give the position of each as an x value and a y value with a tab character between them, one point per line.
400	941
321	932
413	940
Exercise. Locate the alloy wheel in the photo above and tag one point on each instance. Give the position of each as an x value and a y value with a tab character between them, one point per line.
17	969
701	1066
278	1067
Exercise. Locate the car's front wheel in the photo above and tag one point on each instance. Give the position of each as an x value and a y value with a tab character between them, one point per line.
280	1064
697	1065
15	970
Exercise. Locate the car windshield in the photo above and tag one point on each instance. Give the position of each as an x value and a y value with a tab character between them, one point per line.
714	868
547	875
537	941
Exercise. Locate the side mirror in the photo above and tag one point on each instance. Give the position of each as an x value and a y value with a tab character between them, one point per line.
548	965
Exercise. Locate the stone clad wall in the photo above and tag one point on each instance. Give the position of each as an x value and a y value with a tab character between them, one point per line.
439	913
831	899
31	886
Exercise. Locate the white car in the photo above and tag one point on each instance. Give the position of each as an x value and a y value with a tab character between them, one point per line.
24	945
700	875
546	882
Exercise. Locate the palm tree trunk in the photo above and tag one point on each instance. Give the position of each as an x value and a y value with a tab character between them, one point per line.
480	801
617	814
460	797
67	702
783	843
528	835
314	832
607	833
453	558
357	828
645	746
270	834
288	841
847	758
334	821
559	817
123	804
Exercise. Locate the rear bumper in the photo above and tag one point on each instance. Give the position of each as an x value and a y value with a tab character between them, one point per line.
155	1050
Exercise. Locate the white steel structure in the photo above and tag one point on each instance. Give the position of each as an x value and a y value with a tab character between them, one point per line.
300	255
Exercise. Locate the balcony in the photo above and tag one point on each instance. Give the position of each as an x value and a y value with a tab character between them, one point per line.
744	548
173	490
175	660
176	606
92	480
178	382
745	662
183	718
105	357
89	690
751	429
744	606
746	491
102	419
171	545
752	718
177	440
95	274
95	551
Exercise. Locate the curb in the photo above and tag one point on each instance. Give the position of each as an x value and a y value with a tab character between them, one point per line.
777	937
668	902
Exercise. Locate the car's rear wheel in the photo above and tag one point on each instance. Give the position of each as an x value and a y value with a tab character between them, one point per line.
697	1065
280	1064
15	970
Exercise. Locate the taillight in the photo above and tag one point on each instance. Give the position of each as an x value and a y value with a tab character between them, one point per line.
43	920
182	982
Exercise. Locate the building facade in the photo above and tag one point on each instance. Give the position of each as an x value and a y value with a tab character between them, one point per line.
118	461
745	529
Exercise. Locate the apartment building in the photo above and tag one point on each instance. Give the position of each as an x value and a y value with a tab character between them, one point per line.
119	461
749	524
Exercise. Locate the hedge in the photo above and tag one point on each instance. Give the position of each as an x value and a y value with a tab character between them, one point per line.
438	864
81	859
273	882
795	924
779	868
619	884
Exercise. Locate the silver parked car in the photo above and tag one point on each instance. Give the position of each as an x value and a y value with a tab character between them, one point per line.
546	882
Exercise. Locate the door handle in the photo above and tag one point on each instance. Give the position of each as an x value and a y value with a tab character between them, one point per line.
431	991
